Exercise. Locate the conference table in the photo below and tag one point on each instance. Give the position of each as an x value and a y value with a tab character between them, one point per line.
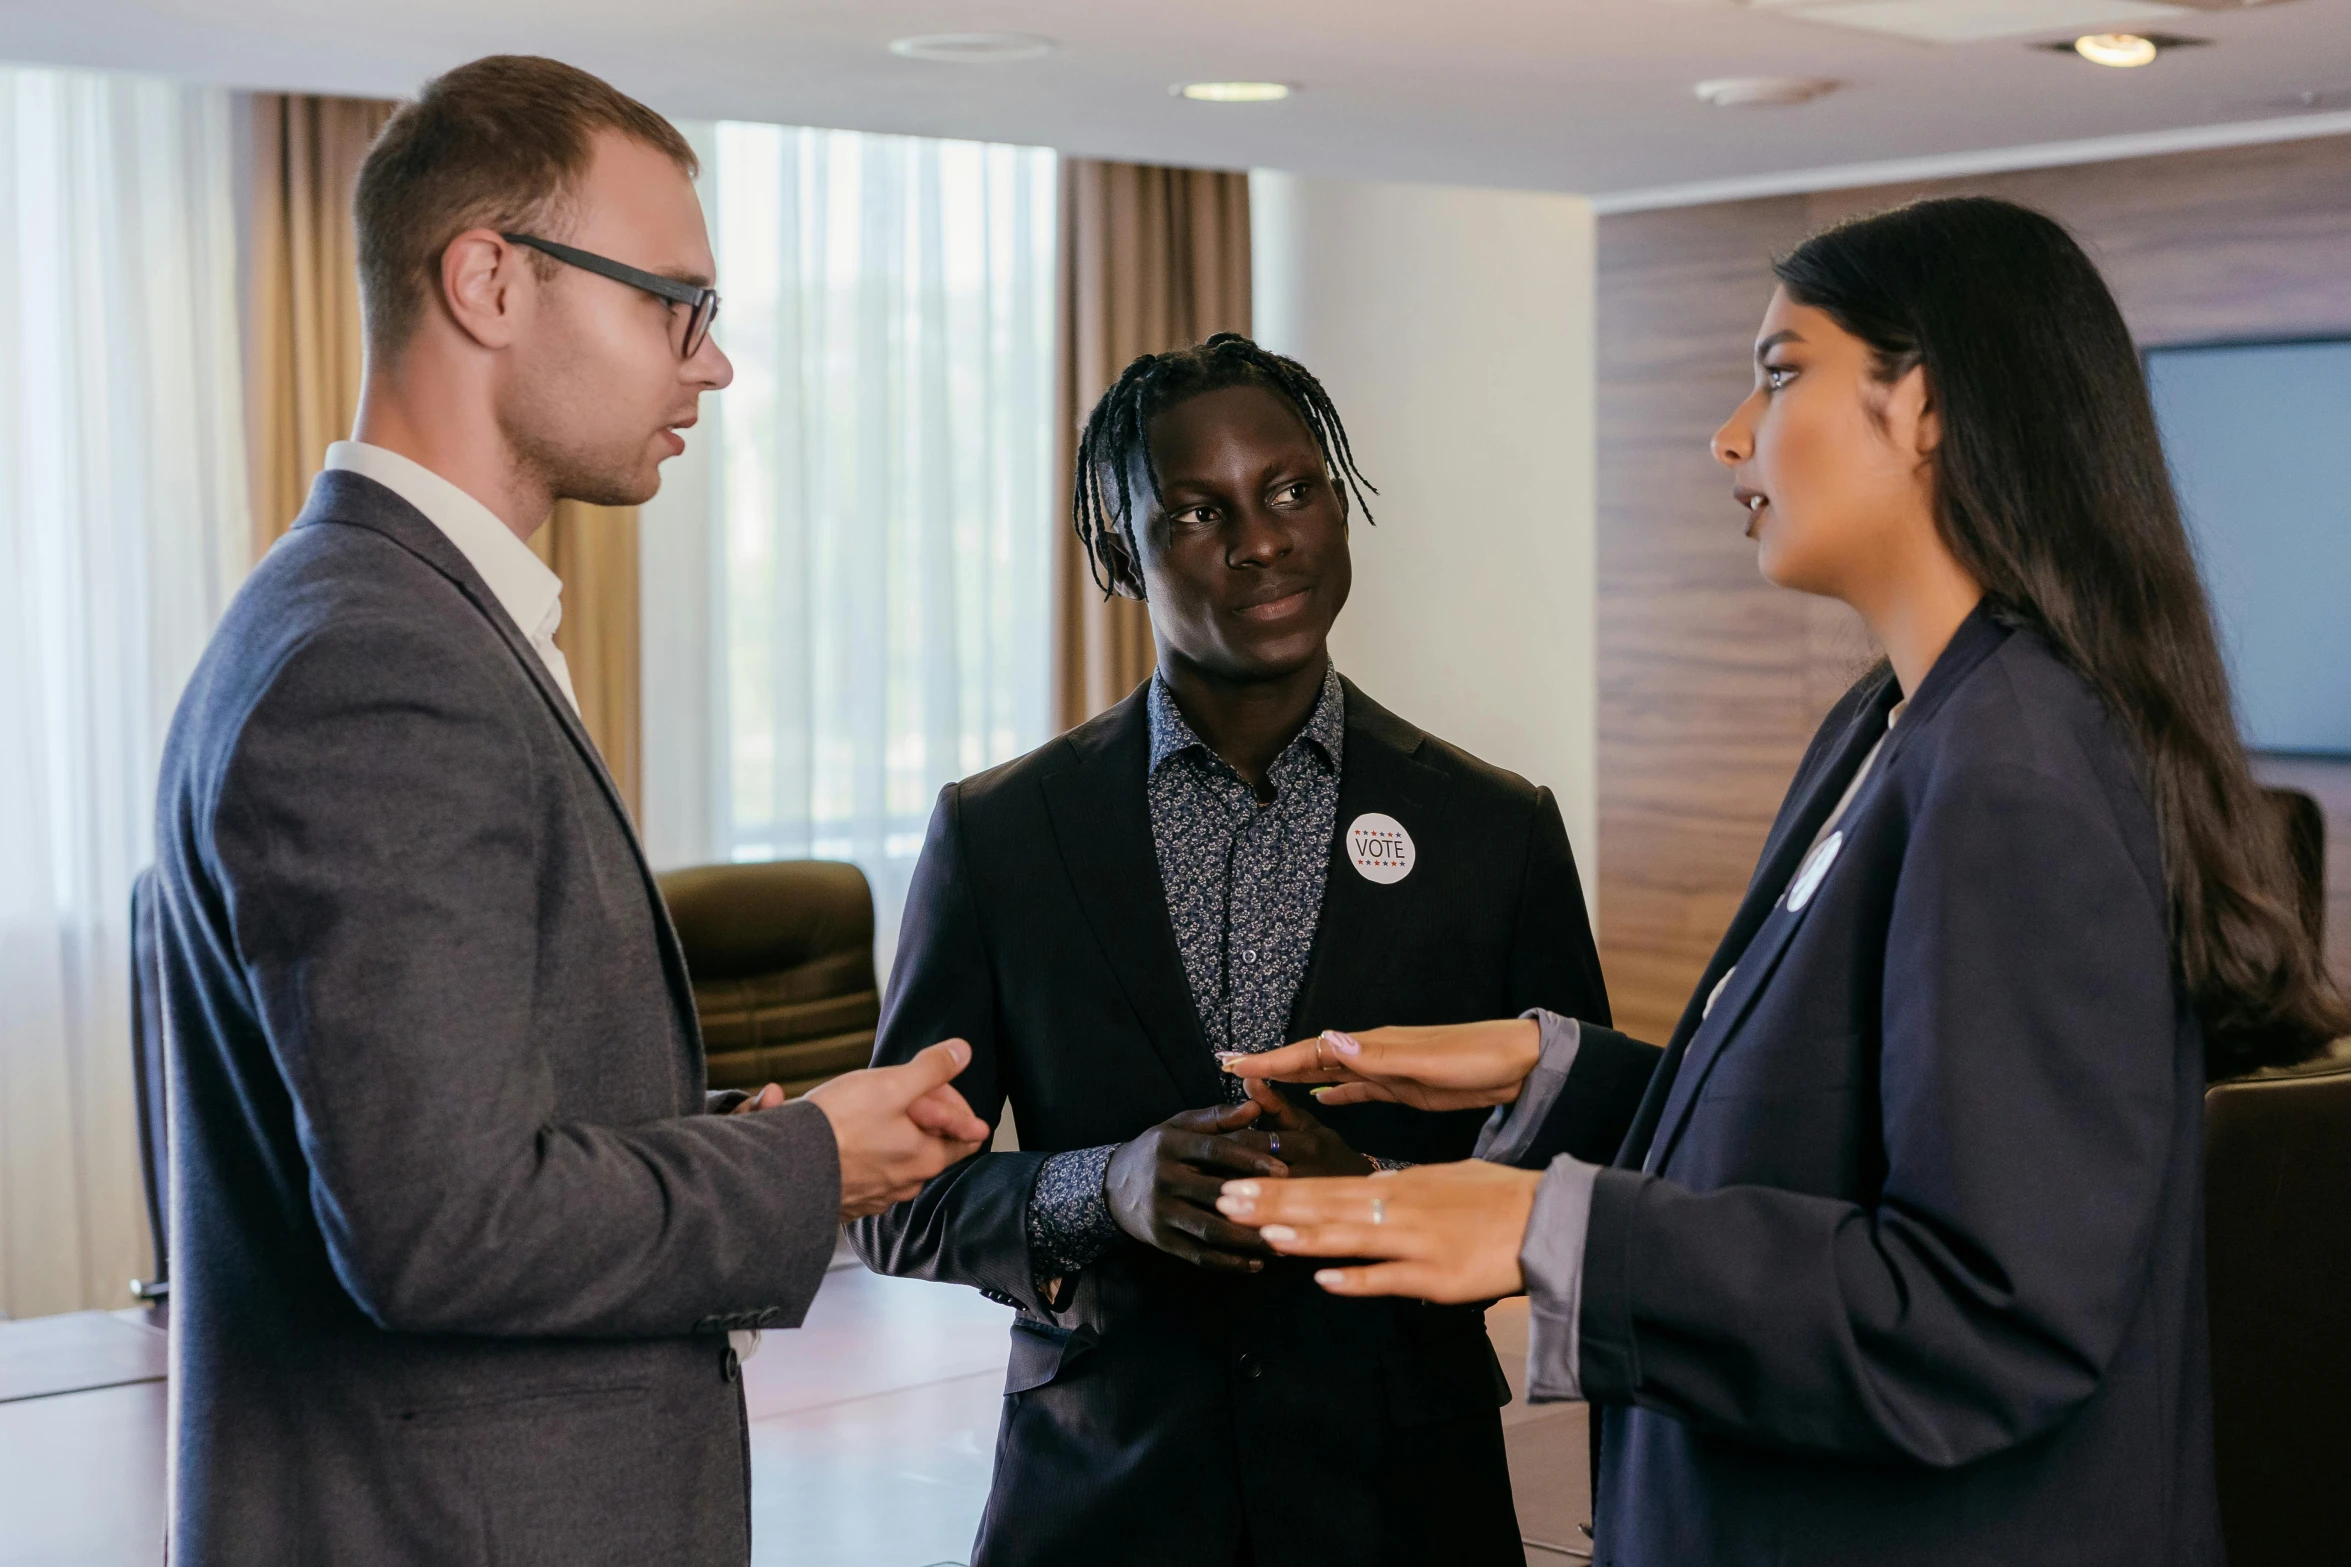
873	1431
81	1439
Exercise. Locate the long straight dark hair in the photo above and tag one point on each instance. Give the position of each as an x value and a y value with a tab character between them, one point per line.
2051	488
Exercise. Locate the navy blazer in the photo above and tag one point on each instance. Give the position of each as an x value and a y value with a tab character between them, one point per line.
1902	1258
1037	929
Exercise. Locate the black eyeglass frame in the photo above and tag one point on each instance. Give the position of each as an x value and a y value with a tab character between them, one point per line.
701	302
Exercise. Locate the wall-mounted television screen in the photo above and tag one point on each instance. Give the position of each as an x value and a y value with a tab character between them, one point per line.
2259	437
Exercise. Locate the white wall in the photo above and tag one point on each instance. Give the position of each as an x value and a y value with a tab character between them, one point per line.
1453	328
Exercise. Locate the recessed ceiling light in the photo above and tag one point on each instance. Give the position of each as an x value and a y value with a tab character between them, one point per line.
1763	92
1233	92
2124	50
973	48
2121	50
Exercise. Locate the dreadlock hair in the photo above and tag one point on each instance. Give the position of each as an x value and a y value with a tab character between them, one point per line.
1118	431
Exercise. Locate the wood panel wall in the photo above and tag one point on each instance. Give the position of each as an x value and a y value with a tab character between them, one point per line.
1711	680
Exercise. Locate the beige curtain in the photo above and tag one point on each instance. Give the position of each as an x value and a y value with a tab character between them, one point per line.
1151	259
303	378
303	358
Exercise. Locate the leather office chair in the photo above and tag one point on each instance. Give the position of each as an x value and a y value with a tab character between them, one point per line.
147	1073
2277	1184
781	958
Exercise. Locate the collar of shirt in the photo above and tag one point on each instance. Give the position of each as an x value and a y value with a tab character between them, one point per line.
531	595
1325	733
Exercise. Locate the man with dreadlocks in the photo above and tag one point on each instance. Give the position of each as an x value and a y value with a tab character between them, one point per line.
1245	851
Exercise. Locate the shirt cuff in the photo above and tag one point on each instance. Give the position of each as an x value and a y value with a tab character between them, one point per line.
1552	1260
1510	1130
1069	1222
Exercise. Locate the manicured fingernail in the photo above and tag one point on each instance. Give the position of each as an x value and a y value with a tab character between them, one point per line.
1330	1278
1226	1058
1256	1266
1241	1189
1344	1044
1235	1207
1275	1234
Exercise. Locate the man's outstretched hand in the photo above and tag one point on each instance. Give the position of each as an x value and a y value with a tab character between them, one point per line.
768	1098
897	1126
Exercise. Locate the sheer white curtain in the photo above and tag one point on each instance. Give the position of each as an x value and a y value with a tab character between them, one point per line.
123	529
846	580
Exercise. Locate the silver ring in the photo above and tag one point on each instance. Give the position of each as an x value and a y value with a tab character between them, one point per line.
1379	1211
1276	1143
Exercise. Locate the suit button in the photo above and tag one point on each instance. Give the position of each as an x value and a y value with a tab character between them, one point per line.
1251	1367
732	1366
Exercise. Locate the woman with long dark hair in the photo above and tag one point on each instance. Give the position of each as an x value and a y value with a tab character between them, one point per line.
1895	1254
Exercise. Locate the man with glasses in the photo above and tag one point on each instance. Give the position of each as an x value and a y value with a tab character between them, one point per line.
467	1253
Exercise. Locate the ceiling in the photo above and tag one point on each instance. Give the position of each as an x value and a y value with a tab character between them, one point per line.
1578	95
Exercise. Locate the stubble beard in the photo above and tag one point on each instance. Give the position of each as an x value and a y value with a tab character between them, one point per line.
548	436
571	472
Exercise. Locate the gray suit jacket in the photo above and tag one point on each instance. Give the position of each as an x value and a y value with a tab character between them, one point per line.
458	1245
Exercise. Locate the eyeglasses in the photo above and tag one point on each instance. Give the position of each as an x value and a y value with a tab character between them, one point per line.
701	303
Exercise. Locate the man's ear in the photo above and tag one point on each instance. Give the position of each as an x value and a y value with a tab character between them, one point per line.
1120	562
485	286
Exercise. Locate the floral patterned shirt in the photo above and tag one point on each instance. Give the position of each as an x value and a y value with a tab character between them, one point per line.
1243	879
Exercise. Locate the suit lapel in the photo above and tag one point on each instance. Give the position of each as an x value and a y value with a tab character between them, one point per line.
1716	1027
1357	929
405	526
1760	933
345	497
1101	815
1811	797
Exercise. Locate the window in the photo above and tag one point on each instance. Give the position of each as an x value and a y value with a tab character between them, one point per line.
858	572
123	530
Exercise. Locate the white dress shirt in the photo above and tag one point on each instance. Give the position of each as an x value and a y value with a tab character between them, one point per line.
531	595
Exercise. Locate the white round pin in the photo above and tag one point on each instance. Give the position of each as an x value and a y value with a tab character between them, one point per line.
1815	868
1379	848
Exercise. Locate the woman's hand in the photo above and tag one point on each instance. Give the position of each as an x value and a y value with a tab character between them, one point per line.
1289	1134
1163	1186
1459	1066
1442	1232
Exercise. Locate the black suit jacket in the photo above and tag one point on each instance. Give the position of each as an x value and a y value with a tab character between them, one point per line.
1037	929
1915	1274
456	1241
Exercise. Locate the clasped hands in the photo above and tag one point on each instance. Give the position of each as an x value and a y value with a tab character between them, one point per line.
1163	1185
1441	1232
1225	1188
895	1127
